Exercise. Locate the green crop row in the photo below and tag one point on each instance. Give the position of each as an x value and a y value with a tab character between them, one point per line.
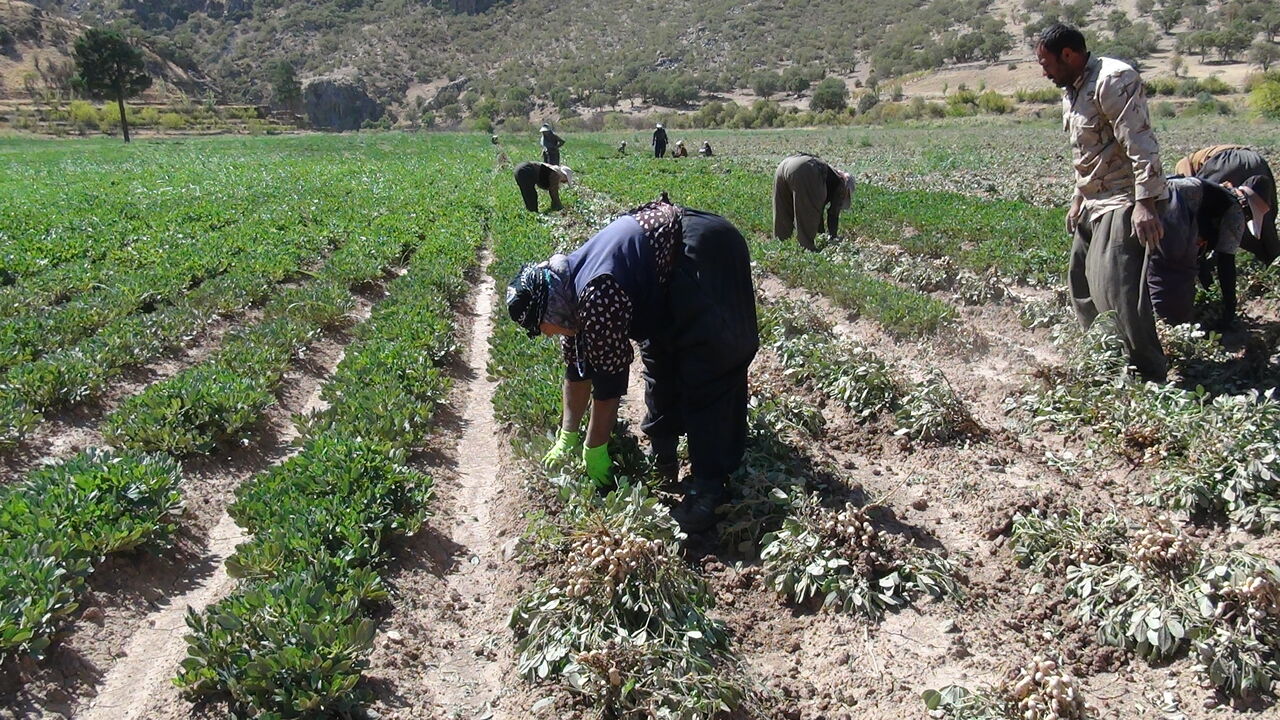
78	219
1021	241
60	522
217	400
529	372
293	639
344	204
72	375
24	338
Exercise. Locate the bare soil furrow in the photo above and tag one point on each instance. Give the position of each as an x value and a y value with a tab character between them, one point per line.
446	651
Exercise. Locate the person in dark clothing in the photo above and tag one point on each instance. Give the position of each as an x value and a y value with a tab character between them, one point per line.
531	175
802	185
1231	165
551	144
1200	217
677	281
705	150
659	140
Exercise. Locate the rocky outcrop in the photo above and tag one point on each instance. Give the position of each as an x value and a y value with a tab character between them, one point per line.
338	102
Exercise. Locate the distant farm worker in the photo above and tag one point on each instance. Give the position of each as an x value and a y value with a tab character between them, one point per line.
677	281
802	186
531	175
1200	217
705	150
622	148
502	159
1114	215
1232	165
659	141
551	144
679	150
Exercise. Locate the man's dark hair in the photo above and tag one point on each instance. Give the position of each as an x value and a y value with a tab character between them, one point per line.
1057	37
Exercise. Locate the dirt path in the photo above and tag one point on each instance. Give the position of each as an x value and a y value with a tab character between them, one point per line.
470	679
445	651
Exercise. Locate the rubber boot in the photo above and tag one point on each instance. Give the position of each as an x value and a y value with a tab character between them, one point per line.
698	512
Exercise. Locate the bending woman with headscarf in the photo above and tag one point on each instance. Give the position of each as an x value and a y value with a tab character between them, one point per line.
678	282
532	175
802	186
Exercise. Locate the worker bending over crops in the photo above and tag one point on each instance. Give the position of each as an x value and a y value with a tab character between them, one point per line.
1114	216
1232	165
677	281
705	150
802	186
1200	218
680	150
532	175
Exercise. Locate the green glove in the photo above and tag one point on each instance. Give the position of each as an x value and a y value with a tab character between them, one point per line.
566	447
598	462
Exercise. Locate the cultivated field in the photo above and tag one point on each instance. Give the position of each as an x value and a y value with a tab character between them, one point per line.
271	380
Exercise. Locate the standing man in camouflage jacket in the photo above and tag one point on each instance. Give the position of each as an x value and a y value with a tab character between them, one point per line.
1114	215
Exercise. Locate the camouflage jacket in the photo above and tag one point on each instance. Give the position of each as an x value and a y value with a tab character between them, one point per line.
1114	150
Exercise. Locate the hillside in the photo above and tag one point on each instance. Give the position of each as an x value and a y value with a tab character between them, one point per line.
36	64
527	60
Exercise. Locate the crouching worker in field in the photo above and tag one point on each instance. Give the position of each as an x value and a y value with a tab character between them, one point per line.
532	175
1232	166
802	186
1202	217
678	282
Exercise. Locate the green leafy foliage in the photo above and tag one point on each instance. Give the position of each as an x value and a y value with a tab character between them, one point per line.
1159	593
837	559
60	521
101	283
289	648
624	619
294	637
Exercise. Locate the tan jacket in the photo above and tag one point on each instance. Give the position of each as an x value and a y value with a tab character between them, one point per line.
1114	150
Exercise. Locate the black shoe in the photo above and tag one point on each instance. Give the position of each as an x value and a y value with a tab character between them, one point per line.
697	512
668	475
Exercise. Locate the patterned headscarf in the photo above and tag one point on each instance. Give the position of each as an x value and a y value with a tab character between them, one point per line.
562	298
527	297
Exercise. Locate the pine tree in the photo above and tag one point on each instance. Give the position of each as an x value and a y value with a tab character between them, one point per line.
108	67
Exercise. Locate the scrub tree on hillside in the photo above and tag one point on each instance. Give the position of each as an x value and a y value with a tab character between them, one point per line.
286	91
108	67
